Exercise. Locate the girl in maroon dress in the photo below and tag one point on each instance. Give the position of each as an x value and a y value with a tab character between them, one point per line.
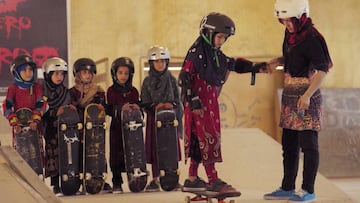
203	73
85	92
123	94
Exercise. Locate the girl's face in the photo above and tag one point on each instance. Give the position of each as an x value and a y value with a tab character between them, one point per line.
219	39
122	74
86	76
57	77
27	74
288	24
159	65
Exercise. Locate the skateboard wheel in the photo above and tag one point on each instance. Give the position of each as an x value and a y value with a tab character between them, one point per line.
88	125
81	176
158	124
176	123
104	176
162	173
63	127
87	176
79	126
65	177
187	199
177	172
104	125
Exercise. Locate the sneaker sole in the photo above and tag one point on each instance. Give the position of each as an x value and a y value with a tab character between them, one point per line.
276	198
190	189
307	201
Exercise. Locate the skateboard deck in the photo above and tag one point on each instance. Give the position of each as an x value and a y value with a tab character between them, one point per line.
134	149
94	149
208	196
69	130
167	148
27	141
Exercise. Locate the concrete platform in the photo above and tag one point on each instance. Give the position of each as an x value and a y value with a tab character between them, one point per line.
252	164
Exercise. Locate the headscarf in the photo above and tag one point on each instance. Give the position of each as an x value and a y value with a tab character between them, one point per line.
57	95
304	28
87	90
209	62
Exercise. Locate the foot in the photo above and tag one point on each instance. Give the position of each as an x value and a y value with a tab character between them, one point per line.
279	194
154	186
196	185
107	188
57	191
302	196
117	189
221	188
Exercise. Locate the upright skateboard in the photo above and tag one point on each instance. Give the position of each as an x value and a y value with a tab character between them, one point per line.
208	196
27	141
167	148
94	149
134	149
69	129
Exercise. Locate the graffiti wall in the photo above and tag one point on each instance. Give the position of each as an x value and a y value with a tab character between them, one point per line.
34	27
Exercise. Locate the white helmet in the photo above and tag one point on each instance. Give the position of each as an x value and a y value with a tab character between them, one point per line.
291	8
54	64
158	52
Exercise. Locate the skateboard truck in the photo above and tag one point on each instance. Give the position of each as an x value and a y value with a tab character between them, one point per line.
138	173
133	126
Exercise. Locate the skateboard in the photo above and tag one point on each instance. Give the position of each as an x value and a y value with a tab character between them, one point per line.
94	162
134	149
69	130
207	196
27	141
167	148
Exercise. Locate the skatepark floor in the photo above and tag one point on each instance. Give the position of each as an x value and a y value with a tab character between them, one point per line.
252	164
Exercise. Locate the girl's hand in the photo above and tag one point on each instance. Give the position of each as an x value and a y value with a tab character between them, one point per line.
33	126
303	102
199	112
126	107
159	106
17	129
168	105
135	106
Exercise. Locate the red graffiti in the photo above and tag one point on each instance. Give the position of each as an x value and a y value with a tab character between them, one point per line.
9	5
10	23
39	54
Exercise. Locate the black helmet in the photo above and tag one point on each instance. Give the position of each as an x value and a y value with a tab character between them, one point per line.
84	64
21	60
122	61
217	22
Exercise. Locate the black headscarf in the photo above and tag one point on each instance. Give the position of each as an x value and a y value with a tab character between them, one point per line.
211	63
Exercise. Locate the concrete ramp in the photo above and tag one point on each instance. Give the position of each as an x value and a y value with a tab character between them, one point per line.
18	181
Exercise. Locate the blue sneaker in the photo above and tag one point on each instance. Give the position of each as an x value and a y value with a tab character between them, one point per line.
279	194
302	196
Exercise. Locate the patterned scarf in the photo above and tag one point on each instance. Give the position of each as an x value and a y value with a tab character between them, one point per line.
57	95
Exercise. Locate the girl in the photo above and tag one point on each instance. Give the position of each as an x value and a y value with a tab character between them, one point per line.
306	61
159	90
123	94
57	95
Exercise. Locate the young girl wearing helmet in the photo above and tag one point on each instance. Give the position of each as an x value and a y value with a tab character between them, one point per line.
306	61
159	90
57	95
122	93
85	92
204	71
24	93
